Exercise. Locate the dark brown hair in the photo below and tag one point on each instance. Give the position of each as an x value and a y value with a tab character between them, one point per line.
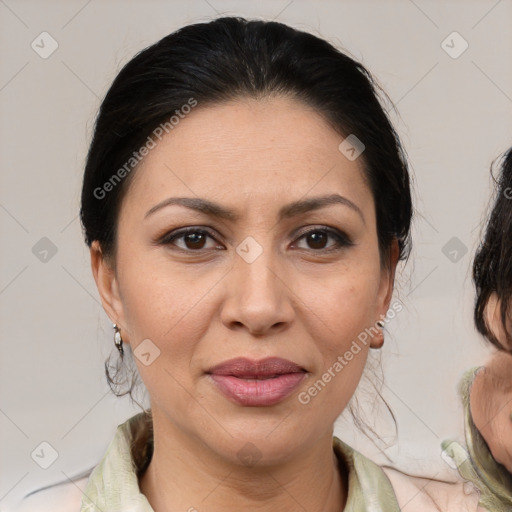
492	266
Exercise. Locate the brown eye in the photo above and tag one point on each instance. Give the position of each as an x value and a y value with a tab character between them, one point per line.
193	239
317	239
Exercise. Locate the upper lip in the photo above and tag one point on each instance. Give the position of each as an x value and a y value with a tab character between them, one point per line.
243	367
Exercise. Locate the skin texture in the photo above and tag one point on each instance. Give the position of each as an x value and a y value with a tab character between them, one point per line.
491	394
201	303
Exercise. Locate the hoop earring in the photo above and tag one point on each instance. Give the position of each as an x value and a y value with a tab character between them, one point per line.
118	341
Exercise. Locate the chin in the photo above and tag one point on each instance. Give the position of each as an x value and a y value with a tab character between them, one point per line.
259	442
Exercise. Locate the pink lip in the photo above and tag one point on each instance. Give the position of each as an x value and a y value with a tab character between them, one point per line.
257	383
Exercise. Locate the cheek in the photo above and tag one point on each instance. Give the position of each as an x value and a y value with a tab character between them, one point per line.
349	336
163	307
344	307
341	322
159	298
175	320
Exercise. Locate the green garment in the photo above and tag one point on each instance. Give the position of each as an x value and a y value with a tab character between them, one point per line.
113	485
475	463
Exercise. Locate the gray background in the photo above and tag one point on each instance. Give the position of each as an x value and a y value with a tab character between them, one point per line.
455	118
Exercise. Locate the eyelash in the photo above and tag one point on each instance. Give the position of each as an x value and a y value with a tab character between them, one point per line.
342	240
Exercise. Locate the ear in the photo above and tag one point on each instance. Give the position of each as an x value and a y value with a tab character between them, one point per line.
385	292
108	288
492	314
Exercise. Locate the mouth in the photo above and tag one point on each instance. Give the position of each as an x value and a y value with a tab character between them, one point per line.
257	383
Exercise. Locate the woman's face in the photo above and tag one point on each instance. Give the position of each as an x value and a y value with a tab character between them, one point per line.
247	281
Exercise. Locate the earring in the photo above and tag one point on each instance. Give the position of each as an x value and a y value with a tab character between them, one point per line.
379	341
118	341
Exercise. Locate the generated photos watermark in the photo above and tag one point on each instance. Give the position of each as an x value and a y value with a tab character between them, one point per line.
137	156
305	397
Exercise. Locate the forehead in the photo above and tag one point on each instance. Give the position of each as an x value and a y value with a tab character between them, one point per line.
248	149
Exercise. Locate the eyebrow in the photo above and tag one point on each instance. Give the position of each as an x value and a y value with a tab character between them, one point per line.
288	211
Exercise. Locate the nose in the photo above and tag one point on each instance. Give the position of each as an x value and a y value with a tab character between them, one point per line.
259	299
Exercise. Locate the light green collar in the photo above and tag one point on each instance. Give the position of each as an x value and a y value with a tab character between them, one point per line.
476	463
113	485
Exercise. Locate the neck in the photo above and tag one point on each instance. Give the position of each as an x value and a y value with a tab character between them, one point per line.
185	475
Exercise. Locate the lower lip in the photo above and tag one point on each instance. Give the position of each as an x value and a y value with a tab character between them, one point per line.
264	392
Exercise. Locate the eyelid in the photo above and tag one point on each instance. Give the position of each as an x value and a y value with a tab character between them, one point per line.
179	232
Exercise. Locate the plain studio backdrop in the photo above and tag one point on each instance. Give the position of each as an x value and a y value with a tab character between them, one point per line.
445	65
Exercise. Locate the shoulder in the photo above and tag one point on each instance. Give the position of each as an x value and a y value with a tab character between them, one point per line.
427	494
64	497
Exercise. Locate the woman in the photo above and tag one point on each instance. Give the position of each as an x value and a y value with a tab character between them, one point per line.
487	390
246	201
